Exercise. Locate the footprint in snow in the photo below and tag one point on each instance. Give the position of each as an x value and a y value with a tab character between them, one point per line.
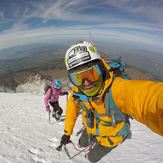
36	159
34	151
53	139
53	145
60	132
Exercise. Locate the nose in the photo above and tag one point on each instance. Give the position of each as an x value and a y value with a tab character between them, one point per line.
86	82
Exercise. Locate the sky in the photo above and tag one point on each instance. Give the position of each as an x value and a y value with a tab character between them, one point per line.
28	137
133	21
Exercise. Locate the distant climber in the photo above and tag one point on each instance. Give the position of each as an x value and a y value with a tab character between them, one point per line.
54	90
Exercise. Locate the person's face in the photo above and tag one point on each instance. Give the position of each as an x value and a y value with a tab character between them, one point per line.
88	79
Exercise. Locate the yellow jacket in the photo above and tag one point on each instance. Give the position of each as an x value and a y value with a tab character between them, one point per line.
143	100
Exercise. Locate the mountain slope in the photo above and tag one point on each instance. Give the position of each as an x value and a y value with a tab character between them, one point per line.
27	136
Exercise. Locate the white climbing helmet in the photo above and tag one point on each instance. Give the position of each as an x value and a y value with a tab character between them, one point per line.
80	54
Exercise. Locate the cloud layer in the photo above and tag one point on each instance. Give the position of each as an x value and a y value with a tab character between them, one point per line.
23	22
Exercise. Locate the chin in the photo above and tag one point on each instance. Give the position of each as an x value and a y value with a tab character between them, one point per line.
90	93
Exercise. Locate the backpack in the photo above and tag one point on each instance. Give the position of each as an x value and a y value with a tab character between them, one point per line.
47	87
118	68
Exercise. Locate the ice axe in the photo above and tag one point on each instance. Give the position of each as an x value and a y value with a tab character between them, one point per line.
59	148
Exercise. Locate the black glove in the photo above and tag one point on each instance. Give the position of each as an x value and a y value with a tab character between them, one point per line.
65	139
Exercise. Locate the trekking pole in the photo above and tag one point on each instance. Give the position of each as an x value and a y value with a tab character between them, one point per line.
49	117
66	98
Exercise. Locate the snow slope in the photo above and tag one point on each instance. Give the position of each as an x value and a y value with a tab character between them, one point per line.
26	136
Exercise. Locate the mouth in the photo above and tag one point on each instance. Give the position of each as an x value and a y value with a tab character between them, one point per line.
88	87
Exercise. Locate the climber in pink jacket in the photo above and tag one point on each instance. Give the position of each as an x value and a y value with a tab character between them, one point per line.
52	96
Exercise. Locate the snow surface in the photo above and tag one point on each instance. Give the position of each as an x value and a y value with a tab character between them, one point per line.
26	136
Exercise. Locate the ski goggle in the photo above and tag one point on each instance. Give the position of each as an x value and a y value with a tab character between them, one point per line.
92	74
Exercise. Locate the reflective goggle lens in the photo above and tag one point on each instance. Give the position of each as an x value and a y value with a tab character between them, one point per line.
92	74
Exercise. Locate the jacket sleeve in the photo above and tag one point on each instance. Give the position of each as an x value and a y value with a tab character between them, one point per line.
141	99
72	110
47	97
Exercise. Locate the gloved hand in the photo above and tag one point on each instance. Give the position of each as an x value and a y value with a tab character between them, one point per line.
48	109
65	139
